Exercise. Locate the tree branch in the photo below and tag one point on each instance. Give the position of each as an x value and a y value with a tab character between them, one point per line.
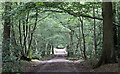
72	13
118	25
77	14
53	11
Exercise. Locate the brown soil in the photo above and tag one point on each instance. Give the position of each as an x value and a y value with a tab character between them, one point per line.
63	65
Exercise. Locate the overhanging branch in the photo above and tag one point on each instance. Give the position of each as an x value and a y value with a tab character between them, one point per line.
53	11
77	15
72	13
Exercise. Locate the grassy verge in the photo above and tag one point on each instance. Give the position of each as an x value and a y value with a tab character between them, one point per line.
20	66
73	58
47	57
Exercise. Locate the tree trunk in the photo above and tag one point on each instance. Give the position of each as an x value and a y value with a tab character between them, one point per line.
34	28
119	44
108	53
26	27
52	47
46	48
71	43
24	44
79	41
118	37
6	33
95	43
20	34
83	36
25	33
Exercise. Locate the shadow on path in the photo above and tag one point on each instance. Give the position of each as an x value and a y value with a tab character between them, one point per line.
57	64
60	64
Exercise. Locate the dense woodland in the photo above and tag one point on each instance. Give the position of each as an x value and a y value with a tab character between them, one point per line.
30	30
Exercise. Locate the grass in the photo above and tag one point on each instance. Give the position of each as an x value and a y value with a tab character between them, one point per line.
74	58
48	57
22	64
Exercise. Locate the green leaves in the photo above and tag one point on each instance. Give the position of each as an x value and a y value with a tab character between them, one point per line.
53	27
38	3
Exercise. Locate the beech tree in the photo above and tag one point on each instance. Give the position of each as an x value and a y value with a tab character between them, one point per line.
108	53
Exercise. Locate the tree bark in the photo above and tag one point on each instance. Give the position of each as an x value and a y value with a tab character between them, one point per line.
20	34
52	47
24	43
118	44
25	32
34	28
108	53
46	48
80	40
6	32
95	43
71	42
83	36
118	37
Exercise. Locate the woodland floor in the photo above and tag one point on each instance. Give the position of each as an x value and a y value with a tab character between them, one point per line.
60	64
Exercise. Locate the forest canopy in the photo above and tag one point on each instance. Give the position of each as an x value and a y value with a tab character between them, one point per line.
89	30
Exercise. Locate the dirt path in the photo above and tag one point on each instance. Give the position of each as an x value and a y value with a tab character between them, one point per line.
60	64
57	64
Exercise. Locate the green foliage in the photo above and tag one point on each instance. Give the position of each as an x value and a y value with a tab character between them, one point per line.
12	67
56	21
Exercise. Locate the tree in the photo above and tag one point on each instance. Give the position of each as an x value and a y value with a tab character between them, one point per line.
83	37
118	37
95	42
6	33
119	43
108	53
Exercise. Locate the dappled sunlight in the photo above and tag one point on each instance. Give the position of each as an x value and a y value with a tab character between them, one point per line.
35	60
